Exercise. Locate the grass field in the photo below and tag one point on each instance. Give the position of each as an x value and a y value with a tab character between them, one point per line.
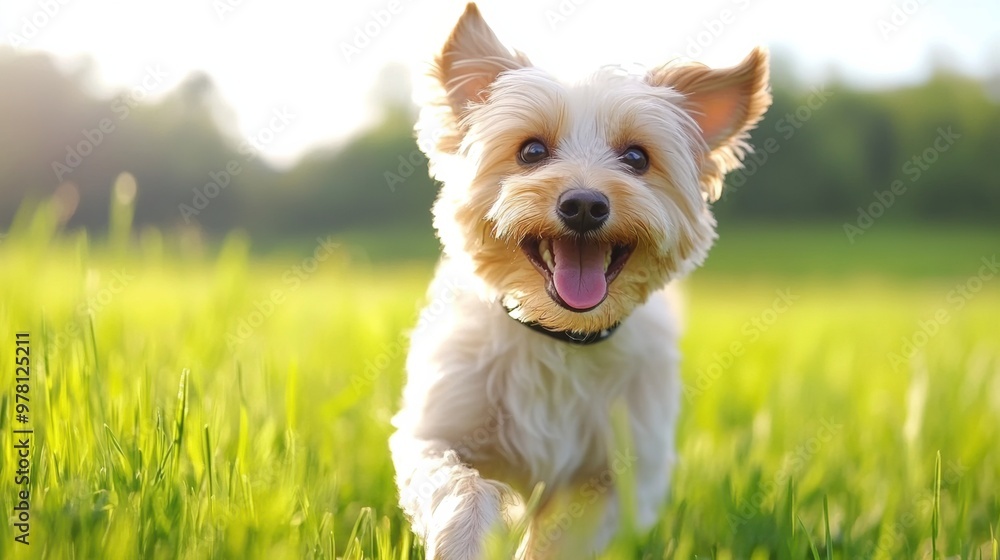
841	401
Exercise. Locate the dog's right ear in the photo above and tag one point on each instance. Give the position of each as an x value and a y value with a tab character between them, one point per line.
470	61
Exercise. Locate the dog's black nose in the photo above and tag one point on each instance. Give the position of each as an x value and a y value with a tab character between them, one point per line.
583	210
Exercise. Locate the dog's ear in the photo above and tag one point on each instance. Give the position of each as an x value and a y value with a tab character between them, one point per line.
469	63
726	104
471	60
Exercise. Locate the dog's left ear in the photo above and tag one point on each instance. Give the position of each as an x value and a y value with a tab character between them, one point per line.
726	104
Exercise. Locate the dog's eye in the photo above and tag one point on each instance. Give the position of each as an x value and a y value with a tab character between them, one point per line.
636	158
532	151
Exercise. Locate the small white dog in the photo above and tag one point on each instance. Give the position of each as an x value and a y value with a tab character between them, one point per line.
565	210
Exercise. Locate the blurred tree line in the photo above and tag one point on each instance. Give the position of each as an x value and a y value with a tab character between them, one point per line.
821	154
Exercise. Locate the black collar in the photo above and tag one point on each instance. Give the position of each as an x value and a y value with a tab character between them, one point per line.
572	337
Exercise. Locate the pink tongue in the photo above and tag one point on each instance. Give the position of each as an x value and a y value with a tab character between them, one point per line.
579	273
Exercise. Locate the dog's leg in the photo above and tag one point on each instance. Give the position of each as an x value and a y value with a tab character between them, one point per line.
653	432
565	525
653	403
585	525
447	501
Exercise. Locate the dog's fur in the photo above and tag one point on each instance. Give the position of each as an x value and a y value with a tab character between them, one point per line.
491	407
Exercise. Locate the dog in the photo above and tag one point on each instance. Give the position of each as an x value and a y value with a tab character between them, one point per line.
564	212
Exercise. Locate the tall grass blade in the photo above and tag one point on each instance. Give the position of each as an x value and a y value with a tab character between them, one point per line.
826	523
812	545
180	417
936	514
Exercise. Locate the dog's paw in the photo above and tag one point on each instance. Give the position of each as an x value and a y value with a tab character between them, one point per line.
463	519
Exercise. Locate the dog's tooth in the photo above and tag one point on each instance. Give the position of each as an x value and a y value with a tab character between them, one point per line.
545	249
607	260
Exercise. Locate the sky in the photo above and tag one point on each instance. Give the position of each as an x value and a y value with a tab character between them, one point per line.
315	63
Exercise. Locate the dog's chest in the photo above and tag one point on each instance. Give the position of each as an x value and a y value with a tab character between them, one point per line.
556	402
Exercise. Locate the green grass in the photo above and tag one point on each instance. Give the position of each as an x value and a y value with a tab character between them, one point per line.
824	251
163	430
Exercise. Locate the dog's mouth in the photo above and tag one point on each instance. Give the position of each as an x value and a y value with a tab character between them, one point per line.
577	270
